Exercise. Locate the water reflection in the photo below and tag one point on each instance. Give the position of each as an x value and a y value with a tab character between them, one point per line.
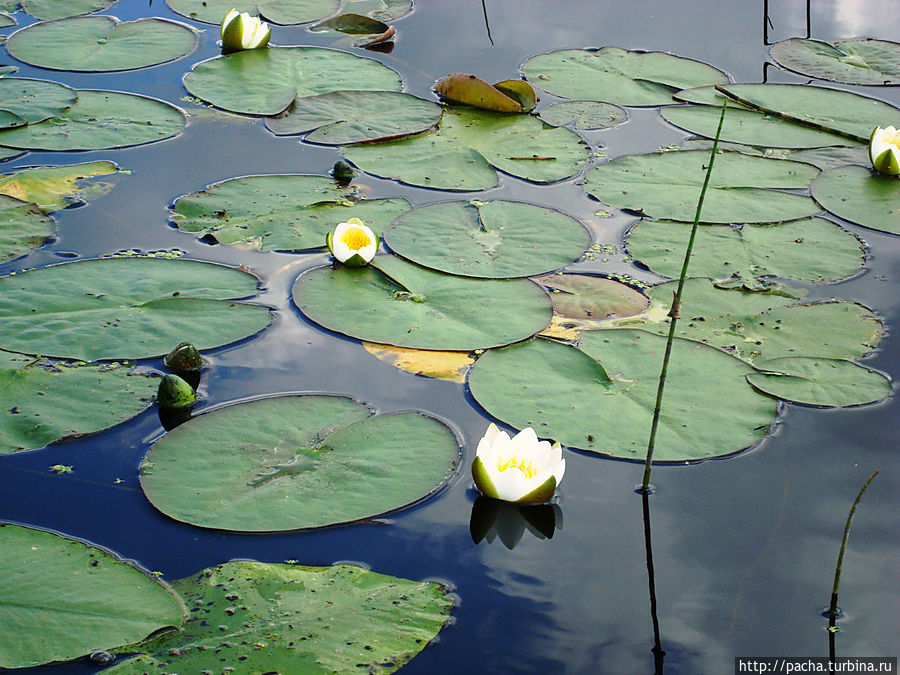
492	519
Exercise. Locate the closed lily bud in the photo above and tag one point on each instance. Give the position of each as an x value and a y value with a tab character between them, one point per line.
241	31
884	150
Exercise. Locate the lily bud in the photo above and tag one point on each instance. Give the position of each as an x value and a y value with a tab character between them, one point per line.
884	150
240	31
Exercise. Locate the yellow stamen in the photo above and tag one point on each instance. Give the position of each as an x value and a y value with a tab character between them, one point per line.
355	238
523	465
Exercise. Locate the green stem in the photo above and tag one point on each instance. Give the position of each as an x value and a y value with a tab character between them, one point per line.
832	609
676	305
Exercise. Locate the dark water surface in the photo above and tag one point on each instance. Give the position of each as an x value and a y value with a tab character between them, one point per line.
744	547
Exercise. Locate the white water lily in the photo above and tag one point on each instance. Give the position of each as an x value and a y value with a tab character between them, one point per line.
884	150
519	469
352	243
240	31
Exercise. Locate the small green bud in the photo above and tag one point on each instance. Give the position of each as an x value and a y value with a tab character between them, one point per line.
184	357
174	392
342	171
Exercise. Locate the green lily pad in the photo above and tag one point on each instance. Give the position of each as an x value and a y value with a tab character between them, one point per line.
285	213
23	227
821	382
101	43
861	196
43	401
382	10
395	302
468	145
872	62
296	462
834	110
583	115
755	325
63	599
585	296
618	76
600	397
342	117
26	101
496	239
134	308
61	9
6	21
667	185
352	24
100	120
282	12
266	81
813	249
271	618
56	187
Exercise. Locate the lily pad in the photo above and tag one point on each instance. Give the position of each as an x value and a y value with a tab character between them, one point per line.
62	9
585	296
756	325
296	462
63	599
266	81
56	187
667	185
282	12
382	10
471	90
820	382
23	227
43	401
285	213
618	76
813	249
6	21
852	115
441	365
355	116
860	196
396	302
100	120
134	308
600	397
583	115
272	618
867	62
26	101
352	24
496	239
101	43
468	145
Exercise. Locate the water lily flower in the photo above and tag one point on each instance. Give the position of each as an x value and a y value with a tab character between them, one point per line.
239	31
884	150
352	243
519	469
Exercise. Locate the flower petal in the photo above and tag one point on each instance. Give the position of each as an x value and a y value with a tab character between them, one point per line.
483	479
542	493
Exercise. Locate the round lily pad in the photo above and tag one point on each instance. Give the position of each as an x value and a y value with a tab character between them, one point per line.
600	397
115	308
296	462
868	62
861	196
618	76
25	101
667	185
43	401
48	10
271	618
496	239
468	145
355	116
282	212
813	249
23	227
820	382
101	43
63	599
583	115
832	110
266	81
100	120
283	12
395	302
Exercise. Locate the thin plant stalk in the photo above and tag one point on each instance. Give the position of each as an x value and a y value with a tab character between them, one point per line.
676	304
659	653
832	608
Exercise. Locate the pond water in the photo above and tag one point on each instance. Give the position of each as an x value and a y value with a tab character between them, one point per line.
744	547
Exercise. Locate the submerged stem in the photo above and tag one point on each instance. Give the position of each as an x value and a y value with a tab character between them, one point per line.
676	305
